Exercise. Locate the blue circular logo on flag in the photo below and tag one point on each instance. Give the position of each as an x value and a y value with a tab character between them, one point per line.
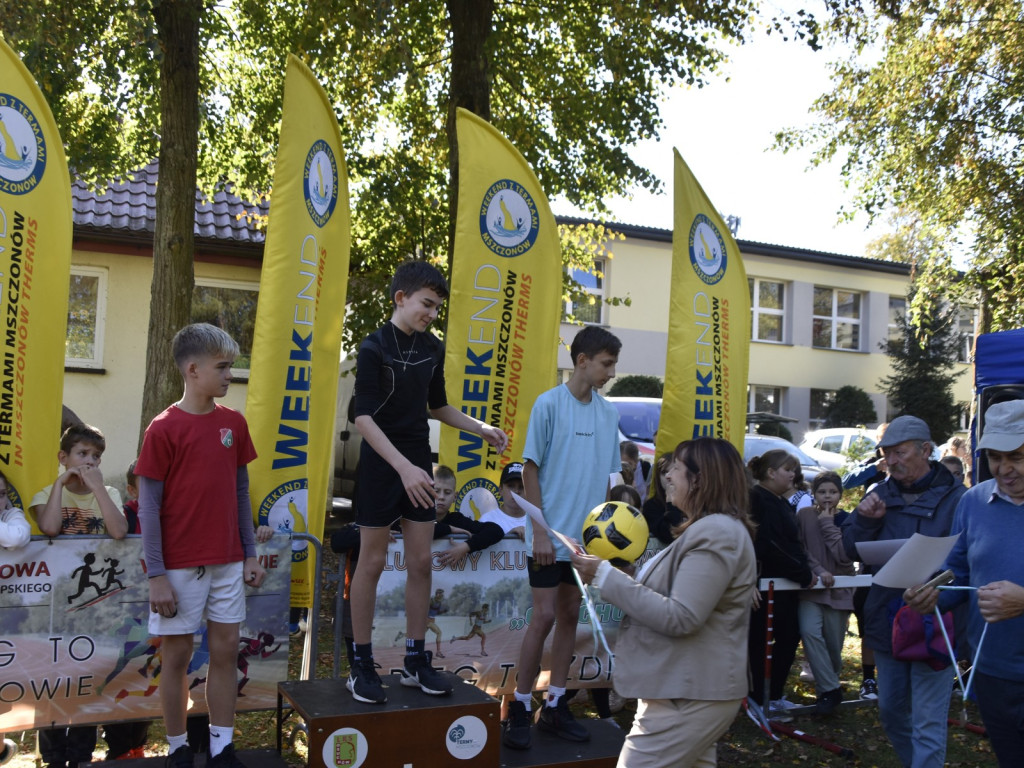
707	250
22	147
320	182
508	219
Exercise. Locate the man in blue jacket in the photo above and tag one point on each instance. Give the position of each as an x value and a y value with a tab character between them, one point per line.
919	496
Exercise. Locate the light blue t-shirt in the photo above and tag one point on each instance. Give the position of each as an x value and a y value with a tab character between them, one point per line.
576	447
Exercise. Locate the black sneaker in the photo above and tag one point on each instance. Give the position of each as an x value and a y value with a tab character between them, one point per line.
869	689
182	757
516	729
418	672
828	701
559	721
365	683
226	758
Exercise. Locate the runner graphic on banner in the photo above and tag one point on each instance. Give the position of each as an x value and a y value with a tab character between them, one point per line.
35	267
505	304
706	363
293	384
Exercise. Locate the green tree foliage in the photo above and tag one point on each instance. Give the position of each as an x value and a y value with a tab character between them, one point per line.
927	115
851	407
923	371
573	86
637	385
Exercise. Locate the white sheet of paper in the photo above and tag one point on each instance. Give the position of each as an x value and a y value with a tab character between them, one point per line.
916	561
878	552
537	517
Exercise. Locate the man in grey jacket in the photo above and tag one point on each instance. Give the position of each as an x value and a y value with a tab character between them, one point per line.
919	496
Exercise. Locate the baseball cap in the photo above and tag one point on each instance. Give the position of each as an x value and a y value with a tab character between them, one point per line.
904	428
513	471
1004	426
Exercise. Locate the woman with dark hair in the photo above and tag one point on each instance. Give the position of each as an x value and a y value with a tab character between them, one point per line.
661	514
682	645
779	555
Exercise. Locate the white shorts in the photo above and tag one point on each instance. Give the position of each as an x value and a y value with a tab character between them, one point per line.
213	592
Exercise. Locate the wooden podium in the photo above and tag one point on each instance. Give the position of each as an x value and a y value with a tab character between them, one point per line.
414	730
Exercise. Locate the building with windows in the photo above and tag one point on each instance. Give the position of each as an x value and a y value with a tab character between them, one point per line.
818	319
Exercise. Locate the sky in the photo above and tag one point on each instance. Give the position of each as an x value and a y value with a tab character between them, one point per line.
724	130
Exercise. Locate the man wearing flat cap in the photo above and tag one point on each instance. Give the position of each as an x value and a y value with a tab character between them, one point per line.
919	496
989	555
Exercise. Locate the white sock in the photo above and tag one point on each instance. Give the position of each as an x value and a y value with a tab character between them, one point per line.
220	737
526	699
174	742
554	694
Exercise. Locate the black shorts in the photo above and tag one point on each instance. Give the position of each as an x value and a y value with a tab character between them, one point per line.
549	576
381	498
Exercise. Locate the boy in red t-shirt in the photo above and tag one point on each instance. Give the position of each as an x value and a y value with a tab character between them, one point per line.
197	536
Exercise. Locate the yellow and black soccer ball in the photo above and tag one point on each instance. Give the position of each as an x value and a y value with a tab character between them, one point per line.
615	531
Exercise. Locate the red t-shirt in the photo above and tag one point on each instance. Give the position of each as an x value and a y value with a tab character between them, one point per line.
197	457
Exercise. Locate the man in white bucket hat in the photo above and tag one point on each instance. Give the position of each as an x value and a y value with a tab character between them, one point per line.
988	557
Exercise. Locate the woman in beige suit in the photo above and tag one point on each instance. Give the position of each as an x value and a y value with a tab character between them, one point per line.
682	645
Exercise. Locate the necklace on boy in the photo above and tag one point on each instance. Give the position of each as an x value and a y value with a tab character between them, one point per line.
407	356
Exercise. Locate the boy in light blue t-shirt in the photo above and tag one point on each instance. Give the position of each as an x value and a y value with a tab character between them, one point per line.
572	448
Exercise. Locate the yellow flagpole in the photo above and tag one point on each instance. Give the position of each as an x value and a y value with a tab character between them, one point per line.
35	267
292	393
505	306
709	324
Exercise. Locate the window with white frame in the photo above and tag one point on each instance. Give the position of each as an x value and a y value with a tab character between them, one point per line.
966	322
837	317
87	311
589	310
821	399
231	305
767	309
897	311
762	399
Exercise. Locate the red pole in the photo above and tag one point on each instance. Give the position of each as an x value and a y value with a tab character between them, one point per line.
799	735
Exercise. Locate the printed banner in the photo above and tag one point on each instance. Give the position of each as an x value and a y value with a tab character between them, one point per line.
478	615
74	643
709	325
35	267
293	385
505	306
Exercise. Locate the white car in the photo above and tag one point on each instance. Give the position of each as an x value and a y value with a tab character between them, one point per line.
833	448
638	421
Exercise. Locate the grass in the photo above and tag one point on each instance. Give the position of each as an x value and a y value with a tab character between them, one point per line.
853	727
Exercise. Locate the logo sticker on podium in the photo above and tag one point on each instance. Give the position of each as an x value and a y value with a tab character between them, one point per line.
345	748
466	737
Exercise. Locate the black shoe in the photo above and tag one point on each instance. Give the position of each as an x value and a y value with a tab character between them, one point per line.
182	757
559	721
516	729
869	689
418	672
365	683
828	701
226	758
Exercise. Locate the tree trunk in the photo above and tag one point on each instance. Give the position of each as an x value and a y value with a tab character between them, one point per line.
173	240
470	86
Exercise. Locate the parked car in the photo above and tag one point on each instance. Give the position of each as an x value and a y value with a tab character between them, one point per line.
755	445
638	421
833	448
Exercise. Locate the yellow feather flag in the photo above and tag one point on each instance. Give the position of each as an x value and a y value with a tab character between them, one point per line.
709	324
35	268
296	348
505	306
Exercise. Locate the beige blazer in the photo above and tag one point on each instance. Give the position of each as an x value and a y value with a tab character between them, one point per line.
684	635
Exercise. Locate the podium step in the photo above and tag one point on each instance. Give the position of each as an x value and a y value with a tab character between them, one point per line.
253	758
548	751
